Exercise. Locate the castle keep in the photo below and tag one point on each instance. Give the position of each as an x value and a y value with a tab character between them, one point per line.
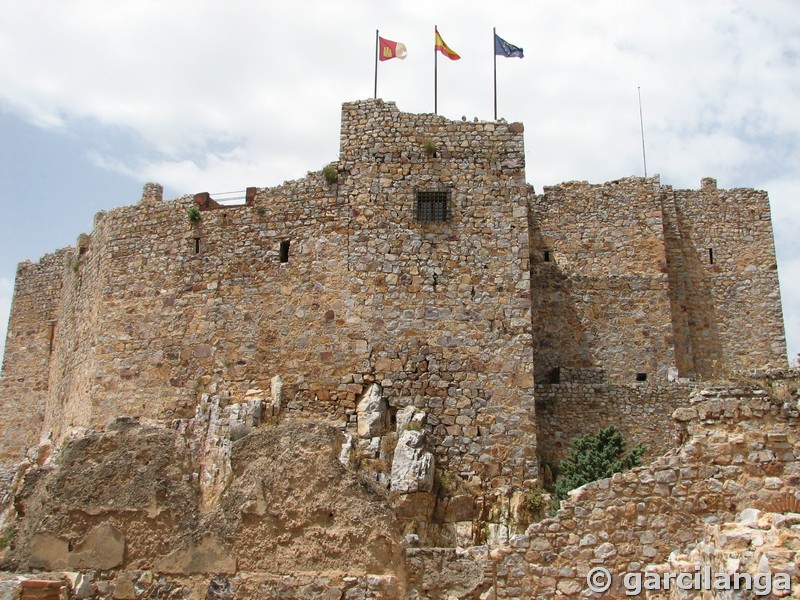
336	285
420	290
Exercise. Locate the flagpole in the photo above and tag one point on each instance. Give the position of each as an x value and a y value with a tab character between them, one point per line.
375	94
435	75
494	53
641	123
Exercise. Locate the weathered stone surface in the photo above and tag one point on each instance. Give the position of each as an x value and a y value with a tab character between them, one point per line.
413	465
209	556
371	411
102	548
48	551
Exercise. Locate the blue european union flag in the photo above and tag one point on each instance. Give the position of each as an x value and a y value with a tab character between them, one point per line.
503	48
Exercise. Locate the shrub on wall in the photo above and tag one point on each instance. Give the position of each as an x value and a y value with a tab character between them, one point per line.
193	213
330	174
429	146
595	457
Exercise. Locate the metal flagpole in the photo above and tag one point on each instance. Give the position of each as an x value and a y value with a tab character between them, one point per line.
435	75
375	94
494	53
641	124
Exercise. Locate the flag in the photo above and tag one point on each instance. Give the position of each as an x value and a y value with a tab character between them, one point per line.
444	48
503	48
390	49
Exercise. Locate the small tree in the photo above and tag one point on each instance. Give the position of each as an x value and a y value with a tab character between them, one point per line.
595	457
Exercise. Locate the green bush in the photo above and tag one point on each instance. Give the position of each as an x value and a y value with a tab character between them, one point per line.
429	146
194	214
330	174
595	457
534	502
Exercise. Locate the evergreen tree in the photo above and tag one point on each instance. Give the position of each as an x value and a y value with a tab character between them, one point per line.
595	457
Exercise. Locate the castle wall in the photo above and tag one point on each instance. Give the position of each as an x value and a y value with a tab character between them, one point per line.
599	281
161	309
645	281
449	310
336	285
26	365
642	412
728	299
738	453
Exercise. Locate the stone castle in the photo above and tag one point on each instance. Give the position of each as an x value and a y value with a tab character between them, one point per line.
417	296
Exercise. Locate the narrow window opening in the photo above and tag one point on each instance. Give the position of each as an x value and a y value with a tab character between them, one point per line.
52	335
555	375
641	377
197	245
711	256
284	251
547	256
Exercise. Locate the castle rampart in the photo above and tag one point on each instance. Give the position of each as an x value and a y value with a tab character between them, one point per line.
650	283
420	261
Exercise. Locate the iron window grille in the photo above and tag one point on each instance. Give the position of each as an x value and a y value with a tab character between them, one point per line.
433	206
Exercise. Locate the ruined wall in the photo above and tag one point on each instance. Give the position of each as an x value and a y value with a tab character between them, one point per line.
740	451
599	283
641	411
726	295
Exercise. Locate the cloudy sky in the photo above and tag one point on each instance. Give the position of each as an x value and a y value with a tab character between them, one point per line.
99	97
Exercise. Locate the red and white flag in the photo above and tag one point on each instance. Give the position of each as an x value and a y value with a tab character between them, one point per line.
389	49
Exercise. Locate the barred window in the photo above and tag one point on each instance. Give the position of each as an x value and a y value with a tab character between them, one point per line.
433	206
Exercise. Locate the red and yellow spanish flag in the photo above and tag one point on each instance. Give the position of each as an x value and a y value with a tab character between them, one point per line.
389	49
444	48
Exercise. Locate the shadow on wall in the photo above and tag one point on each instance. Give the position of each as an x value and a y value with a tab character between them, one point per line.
701	349
559	336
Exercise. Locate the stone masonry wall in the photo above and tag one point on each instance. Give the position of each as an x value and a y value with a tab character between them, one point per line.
641	411
448	303
599	282
29	344
729	297
159	310
643	280
741	450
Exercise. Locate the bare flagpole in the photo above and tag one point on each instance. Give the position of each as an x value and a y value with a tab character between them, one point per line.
641	124
494	53
375	94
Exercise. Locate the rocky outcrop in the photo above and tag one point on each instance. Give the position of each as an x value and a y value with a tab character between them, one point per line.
756	555
413	465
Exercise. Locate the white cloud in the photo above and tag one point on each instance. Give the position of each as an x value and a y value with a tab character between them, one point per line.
219	96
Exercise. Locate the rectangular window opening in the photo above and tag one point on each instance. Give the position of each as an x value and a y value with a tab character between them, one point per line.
711	256
284	251
547	256
432	206
197	245
51	330
641	377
